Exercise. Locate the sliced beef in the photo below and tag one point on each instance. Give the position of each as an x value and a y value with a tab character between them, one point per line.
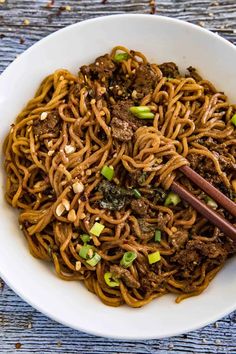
179	238
194	74
125	275
139	207
187	258
121	111
226	163
121	130
162	220
146	228
208	249
102	69
49	125
145	79
151	281
169	69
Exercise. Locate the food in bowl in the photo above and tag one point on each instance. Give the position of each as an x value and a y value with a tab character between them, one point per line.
89	163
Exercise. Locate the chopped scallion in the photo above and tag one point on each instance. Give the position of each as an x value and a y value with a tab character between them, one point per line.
84	251
172	198
85	238
128	259
211	203
108	172
96	229
110	281
121	56
137	194
94	261
142	112
154	257
233	120
158	235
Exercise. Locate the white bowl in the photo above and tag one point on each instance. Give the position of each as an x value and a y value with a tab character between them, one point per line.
161	39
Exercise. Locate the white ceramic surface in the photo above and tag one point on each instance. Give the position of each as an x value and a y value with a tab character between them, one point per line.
161	39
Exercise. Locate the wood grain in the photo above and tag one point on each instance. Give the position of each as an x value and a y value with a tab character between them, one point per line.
23	329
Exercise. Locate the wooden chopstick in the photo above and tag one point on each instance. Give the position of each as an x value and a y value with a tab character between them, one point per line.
206	211
209	189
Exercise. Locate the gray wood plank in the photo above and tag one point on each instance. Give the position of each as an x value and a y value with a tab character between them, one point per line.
23	329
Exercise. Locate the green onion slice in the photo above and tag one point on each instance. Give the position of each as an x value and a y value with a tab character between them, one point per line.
142	112
111	281
128	259
137	194
97	229
211	203
83	252
154	257
158	235
85	238
95	260
121	56
233	120
172	198
108	172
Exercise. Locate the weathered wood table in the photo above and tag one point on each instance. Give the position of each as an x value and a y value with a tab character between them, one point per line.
22	23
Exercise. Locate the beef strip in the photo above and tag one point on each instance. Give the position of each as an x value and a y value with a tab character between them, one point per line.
121	111
162	220
125	275
139	207
121	130
151	281
187	258
194	74
145	80
146	228
102	69
48	125
208	249
179	238
169	69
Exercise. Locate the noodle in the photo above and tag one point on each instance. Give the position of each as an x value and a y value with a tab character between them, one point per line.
77	124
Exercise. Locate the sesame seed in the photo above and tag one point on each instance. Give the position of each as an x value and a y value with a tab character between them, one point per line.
43	115
26	22
51	152
210	14
201	23
77	265
216	325
68	8
88	172
93	101
204	340
21	226
217	341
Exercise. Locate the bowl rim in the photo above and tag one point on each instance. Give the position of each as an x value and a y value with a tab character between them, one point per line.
36	305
